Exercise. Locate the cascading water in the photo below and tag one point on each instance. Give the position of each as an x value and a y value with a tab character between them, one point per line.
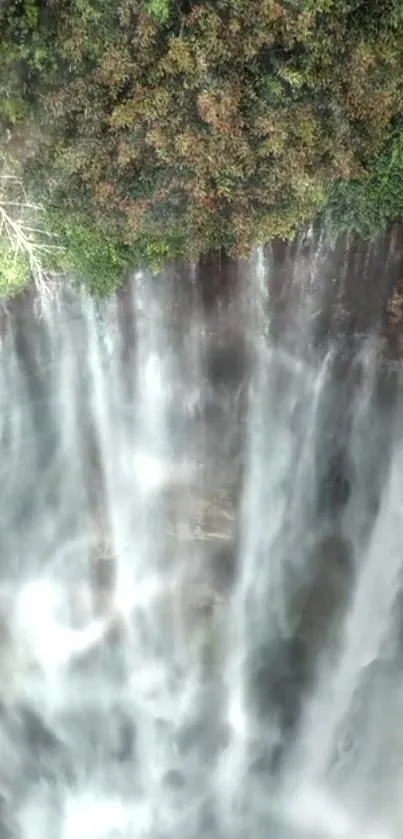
201	571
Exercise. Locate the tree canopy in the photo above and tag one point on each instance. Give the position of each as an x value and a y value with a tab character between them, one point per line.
151	129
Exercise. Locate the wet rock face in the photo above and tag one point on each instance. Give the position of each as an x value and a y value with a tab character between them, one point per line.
219	278
222	567
355	288
321	603
103	579
335	486
227	363
202	516
278	676
281	673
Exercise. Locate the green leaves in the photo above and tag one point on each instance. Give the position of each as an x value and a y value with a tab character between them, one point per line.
89	253
151	129
367	206
293	77
12	109
32	13
159	10
14	270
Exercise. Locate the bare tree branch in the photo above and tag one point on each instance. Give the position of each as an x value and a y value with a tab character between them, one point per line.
19	224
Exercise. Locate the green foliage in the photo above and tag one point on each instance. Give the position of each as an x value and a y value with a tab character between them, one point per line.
89	254
14	270
152	129
367	206
155	253
11	109
94	255
159	9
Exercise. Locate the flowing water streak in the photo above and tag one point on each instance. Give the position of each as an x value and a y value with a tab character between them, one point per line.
284	418
369	625
81	405
141	735
360	684
232	765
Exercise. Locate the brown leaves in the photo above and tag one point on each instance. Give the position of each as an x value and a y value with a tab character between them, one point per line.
220	109
163	144
274	132
240	107
115	68
145	104
179	59
135	213
126	155
104	192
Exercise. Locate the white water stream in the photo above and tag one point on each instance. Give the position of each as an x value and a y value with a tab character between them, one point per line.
147	691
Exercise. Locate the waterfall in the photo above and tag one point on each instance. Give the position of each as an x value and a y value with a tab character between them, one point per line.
201	539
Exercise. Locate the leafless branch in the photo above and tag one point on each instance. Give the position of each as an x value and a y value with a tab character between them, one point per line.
23	235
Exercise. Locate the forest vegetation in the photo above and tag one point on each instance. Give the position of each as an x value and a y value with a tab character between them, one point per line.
147	130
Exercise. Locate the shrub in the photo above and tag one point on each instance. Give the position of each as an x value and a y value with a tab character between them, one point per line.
155	129
159	9
14	270
368	205
89	254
